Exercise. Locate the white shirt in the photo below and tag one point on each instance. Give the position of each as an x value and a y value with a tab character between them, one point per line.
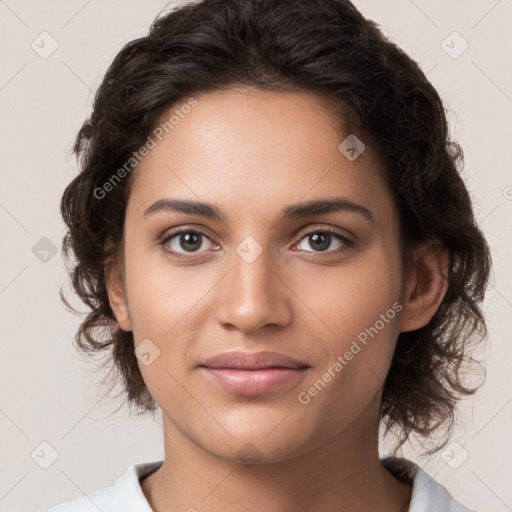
126	494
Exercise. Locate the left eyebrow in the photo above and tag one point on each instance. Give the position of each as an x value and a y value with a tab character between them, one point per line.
294	211
324	206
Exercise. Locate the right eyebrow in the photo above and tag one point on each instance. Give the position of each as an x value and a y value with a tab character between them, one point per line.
187	207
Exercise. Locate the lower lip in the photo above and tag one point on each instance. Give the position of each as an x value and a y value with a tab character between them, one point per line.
253	382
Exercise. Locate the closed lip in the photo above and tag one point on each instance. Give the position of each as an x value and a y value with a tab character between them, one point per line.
242	360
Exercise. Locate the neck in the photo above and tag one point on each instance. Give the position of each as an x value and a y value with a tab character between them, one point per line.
341	473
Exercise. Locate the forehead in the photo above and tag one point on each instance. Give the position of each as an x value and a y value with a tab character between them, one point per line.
249	147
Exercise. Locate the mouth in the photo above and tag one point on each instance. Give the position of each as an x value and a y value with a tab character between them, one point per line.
245	373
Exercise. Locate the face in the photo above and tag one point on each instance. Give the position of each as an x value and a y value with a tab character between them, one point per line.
261	269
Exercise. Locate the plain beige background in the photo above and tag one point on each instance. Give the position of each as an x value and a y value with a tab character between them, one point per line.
48	394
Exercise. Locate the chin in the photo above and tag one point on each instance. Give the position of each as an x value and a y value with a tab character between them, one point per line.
258	446
252	453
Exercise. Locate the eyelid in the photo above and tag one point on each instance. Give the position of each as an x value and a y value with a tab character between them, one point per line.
345	233
347	241
170	234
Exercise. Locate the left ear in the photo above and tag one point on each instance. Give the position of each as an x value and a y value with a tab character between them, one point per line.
426	286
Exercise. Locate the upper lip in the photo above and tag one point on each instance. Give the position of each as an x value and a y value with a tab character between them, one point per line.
252	360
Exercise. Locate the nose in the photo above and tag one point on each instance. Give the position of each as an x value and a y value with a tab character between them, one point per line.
254	295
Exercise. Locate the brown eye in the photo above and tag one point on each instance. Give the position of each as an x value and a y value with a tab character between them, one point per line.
184	241
322	240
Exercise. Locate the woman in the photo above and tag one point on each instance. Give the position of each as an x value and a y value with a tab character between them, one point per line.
270	226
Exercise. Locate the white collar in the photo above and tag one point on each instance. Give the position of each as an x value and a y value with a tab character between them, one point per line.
428	495
126	494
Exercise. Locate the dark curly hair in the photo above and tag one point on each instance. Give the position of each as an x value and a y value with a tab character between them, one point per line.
322	46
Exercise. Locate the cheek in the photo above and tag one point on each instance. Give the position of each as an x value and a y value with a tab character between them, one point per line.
160	294
168	306
353	296
360	307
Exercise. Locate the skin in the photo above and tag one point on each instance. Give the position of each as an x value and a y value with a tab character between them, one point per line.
252	153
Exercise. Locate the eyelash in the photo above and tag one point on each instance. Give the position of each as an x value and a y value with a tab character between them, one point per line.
347	243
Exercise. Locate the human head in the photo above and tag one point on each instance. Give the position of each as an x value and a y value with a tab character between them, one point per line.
377	92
